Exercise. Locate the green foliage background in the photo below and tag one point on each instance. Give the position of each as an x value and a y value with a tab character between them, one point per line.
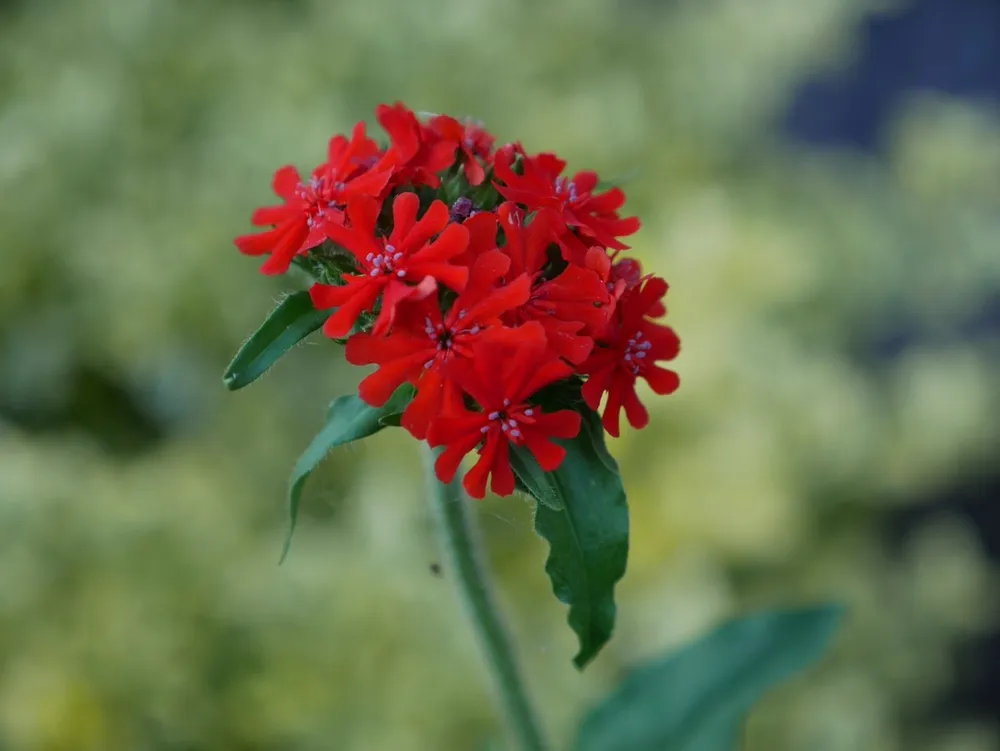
140	504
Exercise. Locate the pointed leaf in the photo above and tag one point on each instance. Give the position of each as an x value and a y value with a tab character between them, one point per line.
696	698
287	325
395	420
348	419
588	540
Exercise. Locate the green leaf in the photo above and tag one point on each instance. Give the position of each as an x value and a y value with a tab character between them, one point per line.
696	698
591	427
533	479
348	419
287	325
394	420
588	540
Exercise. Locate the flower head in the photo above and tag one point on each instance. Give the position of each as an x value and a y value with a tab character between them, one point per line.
479	277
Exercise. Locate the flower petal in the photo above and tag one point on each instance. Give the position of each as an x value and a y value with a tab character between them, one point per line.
636	413
501	300
661	380
502	482
404	217
377	387
450	243
475	478
411	238
548	455
285	181
365	349
450	459
562	424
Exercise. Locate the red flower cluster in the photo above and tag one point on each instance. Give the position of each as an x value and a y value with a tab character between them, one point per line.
480	277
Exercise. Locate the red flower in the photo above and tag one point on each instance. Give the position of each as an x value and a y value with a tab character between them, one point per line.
540	186
472	139
502	378
392	265
573	304
629	351
353	169
424	343
627	274
421	153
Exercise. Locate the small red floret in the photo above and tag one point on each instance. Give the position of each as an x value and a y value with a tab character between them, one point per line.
501	378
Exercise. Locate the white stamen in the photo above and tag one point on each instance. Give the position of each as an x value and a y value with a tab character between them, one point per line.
529	412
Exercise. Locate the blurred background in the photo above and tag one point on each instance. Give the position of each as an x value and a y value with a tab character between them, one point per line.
820	183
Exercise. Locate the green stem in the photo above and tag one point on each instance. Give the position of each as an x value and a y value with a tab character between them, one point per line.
460	539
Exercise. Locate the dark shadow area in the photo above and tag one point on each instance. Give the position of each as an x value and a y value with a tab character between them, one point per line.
98	405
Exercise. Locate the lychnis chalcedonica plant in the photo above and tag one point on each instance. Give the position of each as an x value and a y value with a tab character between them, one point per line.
506	319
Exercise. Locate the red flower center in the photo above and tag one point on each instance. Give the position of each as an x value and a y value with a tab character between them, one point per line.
448	338
319	196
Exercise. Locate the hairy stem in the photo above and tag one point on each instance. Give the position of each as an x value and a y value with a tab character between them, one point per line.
461	542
